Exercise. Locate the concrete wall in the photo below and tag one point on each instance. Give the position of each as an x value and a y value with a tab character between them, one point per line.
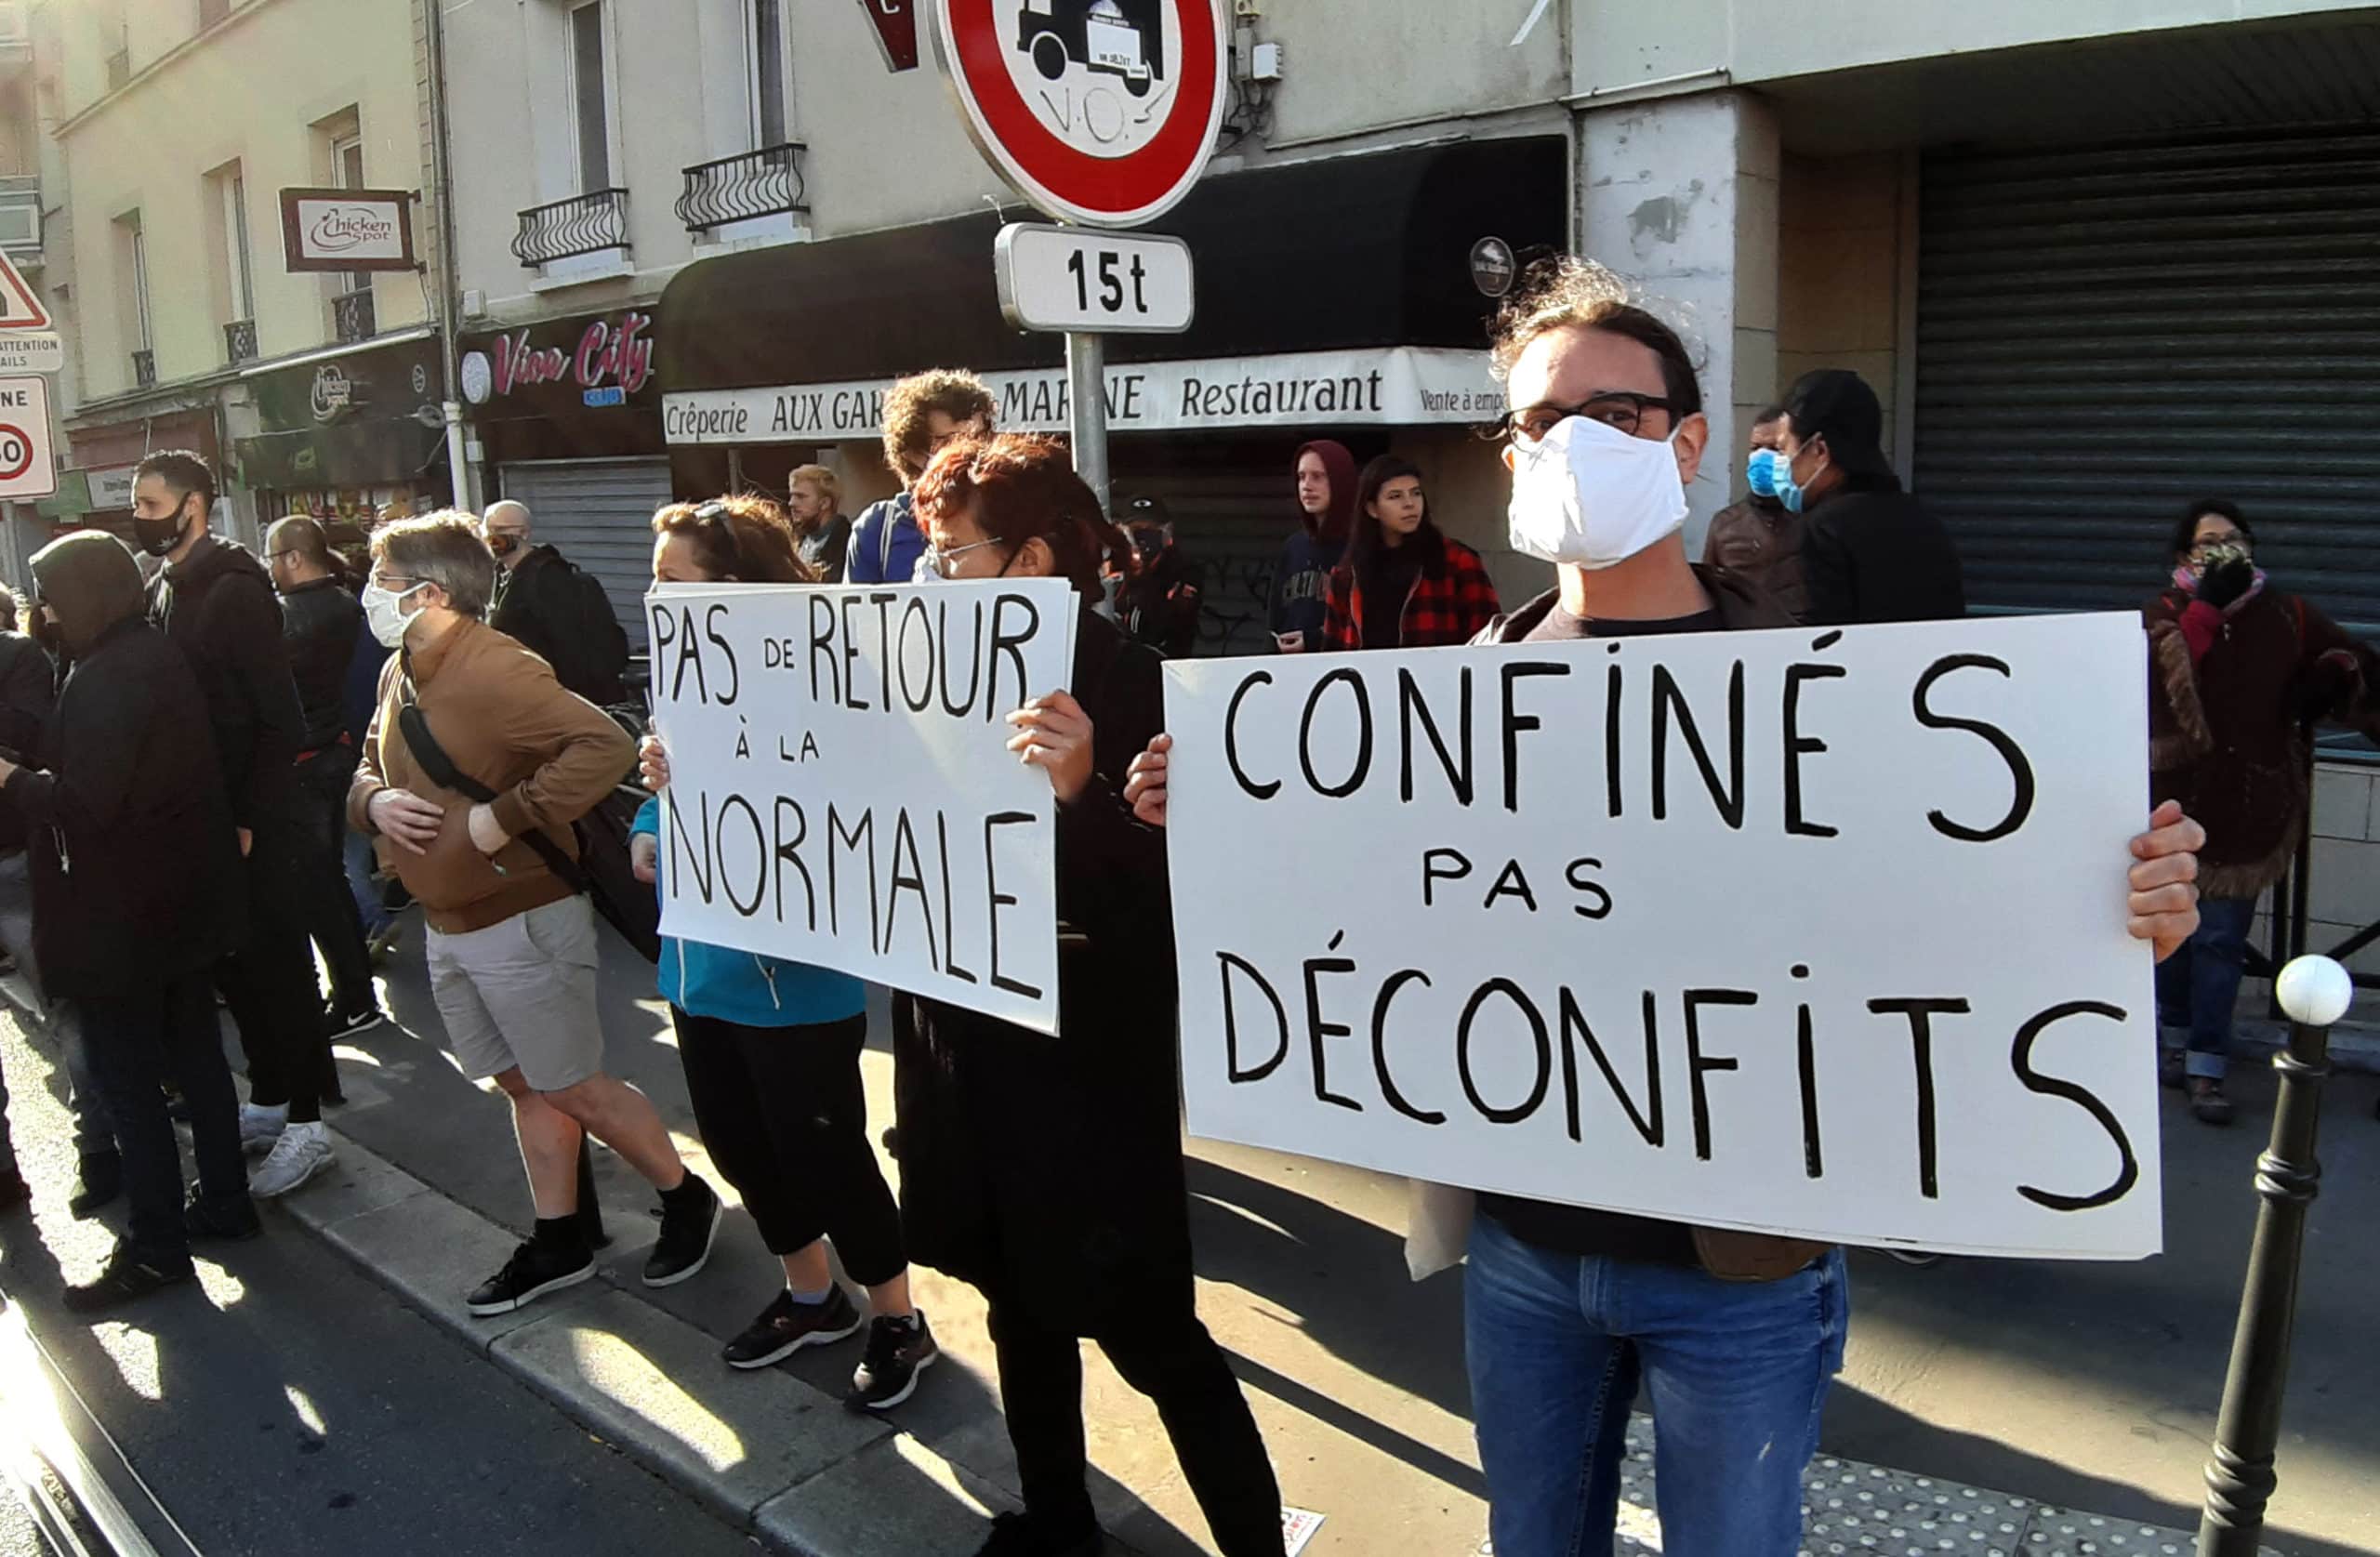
251	90
1614	47
1842	280
1351	67
1681	197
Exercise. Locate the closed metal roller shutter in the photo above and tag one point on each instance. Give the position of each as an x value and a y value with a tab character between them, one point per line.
2105	334
599	514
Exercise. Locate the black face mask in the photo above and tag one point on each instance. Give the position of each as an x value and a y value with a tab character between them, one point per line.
158	536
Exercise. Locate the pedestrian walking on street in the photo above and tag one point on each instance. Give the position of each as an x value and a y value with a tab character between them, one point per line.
1047	1170
1871	552
1737	1336
128	789
814	505
360	699
216	603
772	1050
1403	584
1757	539
321	621
556	610
922	414
2237	668
477	765
1324	473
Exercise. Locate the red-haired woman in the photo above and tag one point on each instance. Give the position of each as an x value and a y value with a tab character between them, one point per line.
1047	1172
1403	584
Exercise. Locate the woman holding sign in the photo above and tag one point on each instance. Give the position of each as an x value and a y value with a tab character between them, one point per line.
1404	585
1736	1335
771	1051
1048	1171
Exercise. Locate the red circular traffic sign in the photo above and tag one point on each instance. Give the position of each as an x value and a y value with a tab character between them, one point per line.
16	452
1099	111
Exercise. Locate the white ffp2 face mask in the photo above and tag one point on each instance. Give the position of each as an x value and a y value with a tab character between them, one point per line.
1592	496
384	612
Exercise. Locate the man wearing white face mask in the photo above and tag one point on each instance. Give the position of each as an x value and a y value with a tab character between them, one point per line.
1736	1335
476	766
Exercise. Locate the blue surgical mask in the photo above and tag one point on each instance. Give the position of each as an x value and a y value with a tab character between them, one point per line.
1762	471
1781	484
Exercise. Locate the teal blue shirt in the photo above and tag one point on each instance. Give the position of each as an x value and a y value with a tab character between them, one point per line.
744	987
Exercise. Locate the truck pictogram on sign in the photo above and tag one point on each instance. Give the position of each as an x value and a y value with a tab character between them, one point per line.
1122	38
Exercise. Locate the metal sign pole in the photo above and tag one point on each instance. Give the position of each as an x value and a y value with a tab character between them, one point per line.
1087	407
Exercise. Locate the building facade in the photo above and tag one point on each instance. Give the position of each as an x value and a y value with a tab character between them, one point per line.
175	127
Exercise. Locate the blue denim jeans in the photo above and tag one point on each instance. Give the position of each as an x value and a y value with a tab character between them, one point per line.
2199	986
1738	1372
359	866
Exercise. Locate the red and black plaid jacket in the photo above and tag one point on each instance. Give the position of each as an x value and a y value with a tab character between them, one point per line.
1452	599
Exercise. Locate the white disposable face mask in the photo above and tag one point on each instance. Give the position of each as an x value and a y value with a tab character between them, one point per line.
1590	494
384	612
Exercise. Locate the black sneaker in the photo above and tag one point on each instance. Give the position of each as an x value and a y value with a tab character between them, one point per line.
785	1326
688	1225
1020	1534
98	1178
129	1274
533	1270
340	1024
233	1221
898	1349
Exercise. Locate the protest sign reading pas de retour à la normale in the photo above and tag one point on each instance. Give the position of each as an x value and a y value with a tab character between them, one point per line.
841	791
1815	932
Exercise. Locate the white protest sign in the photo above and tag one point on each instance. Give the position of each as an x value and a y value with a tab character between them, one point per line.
840	788
1798	932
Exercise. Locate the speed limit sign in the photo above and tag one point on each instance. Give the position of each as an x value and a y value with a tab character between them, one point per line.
27	467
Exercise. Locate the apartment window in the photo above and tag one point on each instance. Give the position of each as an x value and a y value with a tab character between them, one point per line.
768	73
590	108
132	296
240	263
347	172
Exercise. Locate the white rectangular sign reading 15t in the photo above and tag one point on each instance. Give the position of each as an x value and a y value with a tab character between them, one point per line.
1068	278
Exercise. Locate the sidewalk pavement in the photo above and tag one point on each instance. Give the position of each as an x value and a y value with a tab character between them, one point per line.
1353	1371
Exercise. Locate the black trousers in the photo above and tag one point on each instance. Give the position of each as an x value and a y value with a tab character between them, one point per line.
136	1042
1163	1350
332	918
783	1112
269	984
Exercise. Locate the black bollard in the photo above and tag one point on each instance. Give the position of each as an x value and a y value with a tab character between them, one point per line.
590	1208
2239	1478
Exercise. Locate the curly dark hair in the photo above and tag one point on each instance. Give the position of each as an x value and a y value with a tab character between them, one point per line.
953	391
1566	292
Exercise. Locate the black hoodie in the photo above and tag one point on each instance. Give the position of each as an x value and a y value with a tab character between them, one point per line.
137	875
217	604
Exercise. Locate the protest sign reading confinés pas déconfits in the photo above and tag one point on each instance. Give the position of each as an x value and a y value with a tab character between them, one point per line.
1819	932
840	788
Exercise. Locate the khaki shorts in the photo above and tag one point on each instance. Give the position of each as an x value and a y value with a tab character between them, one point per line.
522	992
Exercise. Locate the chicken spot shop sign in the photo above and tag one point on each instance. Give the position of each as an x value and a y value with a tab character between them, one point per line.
841	791
1099	111
1804	932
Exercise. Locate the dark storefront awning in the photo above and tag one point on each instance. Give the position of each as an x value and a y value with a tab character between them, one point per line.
346	419
1346	251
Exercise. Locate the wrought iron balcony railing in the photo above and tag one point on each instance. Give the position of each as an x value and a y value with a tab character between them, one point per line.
583	224
352	318
762	183
240	340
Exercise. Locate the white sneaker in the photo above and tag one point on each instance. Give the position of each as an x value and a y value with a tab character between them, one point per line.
302	1152
259	1127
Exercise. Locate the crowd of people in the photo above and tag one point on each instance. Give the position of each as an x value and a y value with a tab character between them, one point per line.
450	708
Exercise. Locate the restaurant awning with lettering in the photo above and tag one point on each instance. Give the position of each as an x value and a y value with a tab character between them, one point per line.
1337	255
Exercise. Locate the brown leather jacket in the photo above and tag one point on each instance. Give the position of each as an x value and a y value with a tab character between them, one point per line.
1762	544
502	718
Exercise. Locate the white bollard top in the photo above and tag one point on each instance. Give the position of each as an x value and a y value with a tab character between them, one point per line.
2315	990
